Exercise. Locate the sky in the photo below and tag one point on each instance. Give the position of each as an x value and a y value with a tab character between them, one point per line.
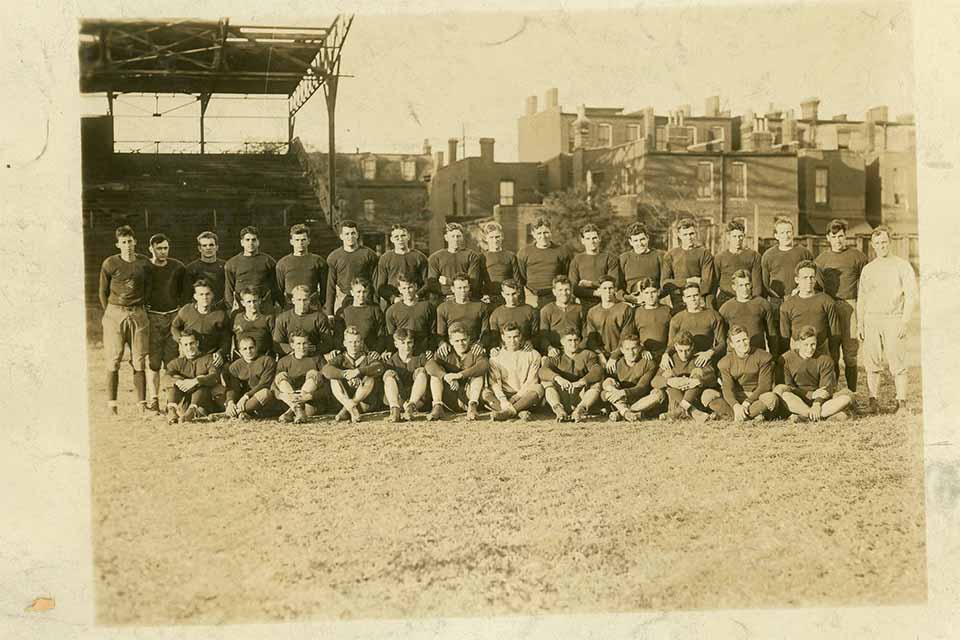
438	76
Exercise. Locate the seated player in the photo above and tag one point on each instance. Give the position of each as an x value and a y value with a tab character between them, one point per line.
353	376
209	322
746	375
249	379
559	316
514	378
810	307
607	323
457	376
302	316
571	379
417	316
629	389
471	314
196	378
707	327
651	320
512	310
405	382
249	321
752	312
685	382
298	383
368	318
810	382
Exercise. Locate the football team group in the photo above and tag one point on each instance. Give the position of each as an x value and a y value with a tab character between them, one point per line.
677	334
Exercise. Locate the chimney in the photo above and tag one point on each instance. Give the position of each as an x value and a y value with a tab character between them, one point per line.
649	127
809	109
452	149
552	99
788	128
438	161
581	129
486	149
840	117
685	110
746	130
427	149
878	114
531	105
711	107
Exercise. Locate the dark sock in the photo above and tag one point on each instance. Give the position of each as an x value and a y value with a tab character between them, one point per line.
113	382
851	375
140	384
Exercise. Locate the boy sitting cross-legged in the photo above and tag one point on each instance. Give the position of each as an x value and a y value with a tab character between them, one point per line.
629	389
298	383
571	379
405	377
747	381
353	376
514	378
249	379
195	377
456	377
810	382
685	382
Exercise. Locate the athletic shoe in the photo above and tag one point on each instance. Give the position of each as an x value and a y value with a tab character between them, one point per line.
172	417
578	415
840	416
354	414
113	409
342	416
873	406
189	414
286	416
702	416
201	412
502	415
298	414
560	413
614	416
793	419
395	414
142	409
903	409
436	413
154	406
243	416
524	416
472	411
759	418
631	416
409	412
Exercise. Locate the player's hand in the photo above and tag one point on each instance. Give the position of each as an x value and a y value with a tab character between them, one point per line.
351	374
816	412
443	350
494	351
646	355
902	330
666	362
703	358
552	352
739	413
861	334
452	380
217	359
355	382
385	355
478	349
563	383
611	365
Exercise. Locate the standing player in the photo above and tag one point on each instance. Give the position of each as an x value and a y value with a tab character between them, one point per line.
704	324
640	262
457	376
571	379
248	321
402	260
651	320
298	383
405	382
512	311
346	263
249	379
366	317
630	389
353	376
124	290
559	316
541	263
498	265
753	313
840	268
746	380
417	316
688	263
166	291
736	257
809	307
778	267
250	268
515	386
195	376
588	267
472	315
311	321
810	382
607	323
446	264
210	323
207	267
887	297
301	267
685	383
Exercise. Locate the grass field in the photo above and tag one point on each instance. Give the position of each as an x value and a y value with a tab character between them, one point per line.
242	522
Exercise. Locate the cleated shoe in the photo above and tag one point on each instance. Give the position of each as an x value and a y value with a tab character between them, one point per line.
839	416
472	411
286	416
189	415
154	406
172	417
578	415
614	416
409	412
354	414
524	416
342	416
560	413
873	406
299	416
903	409
436	413
395	414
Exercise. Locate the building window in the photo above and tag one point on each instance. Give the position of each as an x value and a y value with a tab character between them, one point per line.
409	168
660	136
739	187
506	193
594	180
633	132
822	185
369	207
899	188
704	180
716	133
604	135
370	169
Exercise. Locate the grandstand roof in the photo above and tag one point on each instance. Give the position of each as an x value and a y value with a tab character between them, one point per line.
196	56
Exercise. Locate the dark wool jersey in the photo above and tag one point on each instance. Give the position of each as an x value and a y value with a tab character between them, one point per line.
201	368
840	272
680	264
260	329
707	328
818	311
420	318
124	283
653	328
469	364
295	369
309	270
555	320
249	377
343	267
213	327
392	265
313	323
539	266
744	379
605	327
808	375
587	267
689	369
584	365
497	267
779	269
446	264
728	263
637	266
637	376
473	315
166	286
756	316
369	320
524	315
212	272
258	271
367	363
405	370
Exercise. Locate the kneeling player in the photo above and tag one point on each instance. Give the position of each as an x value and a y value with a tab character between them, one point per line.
630	390
456	377
746	375
298	383
405	377
810	382
571	379
514	378
195	376
249	379
353	376
685	382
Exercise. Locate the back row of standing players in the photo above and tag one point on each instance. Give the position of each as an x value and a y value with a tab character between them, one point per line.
546	290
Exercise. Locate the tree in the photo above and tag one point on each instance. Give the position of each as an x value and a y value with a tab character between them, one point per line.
569	210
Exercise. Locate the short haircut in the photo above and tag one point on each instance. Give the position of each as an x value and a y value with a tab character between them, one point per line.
251	230
836	226
407	278
351	330
299	229
691	285
684	338
806	331
301	288
360	280
686	223
189	333
736	330
452	226
881	230
735	225
399	227
510	283
636	229
490	227
561	280
587	228
541	222
246	337
461	276
124	231
629	337
157	238
805	264
780	220
208	235
644	283
202	282
606	278
249	291
402	334
458	327
510	326
298	333
349	224
742	273
569	331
